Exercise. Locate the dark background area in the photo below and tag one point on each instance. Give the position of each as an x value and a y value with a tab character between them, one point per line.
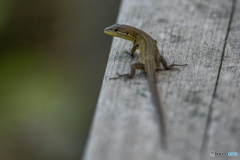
53	55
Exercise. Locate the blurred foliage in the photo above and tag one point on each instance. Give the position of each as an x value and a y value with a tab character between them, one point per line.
35	110
52	59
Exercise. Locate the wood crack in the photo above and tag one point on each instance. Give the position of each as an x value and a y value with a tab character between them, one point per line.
210	112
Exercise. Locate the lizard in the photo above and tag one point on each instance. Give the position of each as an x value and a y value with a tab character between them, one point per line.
150	61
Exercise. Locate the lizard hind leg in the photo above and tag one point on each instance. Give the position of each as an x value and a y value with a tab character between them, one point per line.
132	72
166	66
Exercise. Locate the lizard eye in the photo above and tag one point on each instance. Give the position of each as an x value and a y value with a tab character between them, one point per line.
115	30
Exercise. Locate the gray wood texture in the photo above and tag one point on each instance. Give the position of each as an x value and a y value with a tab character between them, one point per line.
201	101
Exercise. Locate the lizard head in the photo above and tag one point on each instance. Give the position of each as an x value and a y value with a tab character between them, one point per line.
119	30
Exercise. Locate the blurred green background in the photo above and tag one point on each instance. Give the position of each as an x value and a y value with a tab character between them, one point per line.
53	55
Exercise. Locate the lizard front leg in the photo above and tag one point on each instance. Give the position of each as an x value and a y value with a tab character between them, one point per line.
134	67
166	66
133	50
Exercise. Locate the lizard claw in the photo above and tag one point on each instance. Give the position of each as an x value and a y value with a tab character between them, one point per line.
126	52
171	68
127	76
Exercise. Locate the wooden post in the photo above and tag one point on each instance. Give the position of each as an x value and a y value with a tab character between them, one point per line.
201	101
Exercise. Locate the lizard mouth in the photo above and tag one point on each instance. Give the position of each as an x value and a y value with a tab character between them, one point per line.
111	32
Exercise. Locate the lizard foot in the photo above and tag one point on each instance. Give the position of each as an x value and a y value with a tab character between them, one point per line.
122	75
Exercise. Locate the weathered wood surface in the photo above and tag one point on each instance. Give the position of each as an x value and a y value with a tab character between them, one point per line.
125	125
224	129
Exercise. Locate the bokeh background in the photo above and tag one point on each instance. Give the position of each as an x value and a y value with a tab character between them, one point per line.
53	55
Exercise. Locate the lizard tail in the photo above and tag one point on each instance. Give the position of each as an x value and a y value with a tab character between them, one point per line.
157	104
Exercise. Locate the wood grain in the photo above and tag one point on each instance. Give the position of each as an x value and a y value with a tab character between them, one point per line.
223	132
125	125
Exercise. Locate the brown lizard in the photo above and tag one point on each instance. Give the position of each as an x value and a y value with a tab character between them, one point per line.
150	60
